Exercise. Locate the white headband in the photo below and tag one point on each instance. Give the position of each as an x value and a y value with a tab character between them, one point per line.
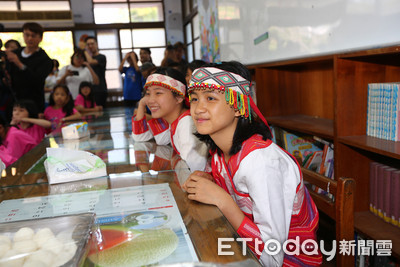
166	82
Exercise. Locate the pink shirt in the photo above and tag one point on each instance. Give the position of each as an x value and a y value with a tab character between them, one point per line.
16	144
80	101
36	131
55	115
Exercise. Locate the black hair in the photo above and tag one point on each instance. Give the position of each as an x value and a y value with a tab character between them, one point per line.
33	27
4	123
244	128
56	63
90	97
177	75
67	108
29	105
90	37
78	52
148	51
6	44
197	63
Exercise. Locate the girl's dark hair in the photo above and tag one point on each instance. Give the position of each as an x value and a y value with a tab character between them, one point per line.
197	63
148	52
56	63
12	41
67	108
177	75
244	129
78	52
29	105
90	97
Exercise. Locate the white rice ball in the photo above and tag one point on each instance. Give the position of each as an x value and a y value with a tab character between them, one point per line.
54	245
12	259
25	246
66	254
4	247
4	238
44	256
25	233
42	236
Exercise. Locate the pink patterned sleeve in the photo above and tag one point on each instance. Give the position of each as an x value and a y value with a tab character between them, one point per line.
248	229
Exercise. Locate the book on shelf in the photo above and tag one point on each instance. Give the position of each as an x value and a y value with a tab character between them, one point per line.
383	111
384	193
395	207
373	184
300	145
314	161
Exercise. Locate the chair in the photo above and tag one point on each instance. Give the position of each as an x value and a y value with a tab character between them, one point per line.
341	209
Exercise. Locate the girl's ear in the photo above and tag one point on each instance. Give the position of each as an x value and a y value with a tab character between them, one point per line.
179	99
237	113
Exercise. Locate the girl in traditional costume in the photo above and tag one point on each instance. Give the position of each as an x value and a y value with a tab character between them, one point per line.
257	185
165	92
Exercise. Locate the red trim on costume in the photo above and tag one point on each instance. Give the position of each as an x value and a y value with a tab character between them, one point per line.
140	126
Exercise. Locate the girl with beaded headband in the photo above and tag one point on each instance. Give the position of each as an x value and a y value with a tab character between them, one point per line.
165	92
256	184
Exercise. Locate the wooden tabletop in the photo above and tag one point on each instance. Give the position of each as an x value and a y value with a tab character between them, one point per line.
110	139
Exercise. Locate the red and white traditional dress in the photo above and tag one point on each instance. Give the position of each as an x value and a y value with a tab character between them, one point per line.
180	135
267	185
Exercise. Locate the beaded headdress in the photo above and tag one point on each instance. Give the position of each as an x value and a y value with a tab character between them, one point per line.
166	82
235	87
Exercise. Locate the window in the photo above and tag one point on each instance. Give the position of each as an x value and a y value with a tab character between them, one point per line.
192	30
123	11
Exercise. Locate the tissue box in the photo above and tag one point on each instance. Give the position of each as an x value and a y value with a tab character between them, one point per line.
65	165
75	130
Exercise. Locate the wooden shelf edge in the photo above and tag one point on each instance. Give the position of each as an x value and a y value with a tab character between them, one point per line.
320	127
371	226
373	144
319	180
371	52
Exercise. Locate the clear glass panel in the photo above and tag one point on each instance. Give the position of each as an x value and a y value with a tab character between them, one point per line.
102	1
112	56
146	12
113	78
8	6
190	53
44	5
196	26
148	37
78	35
125	37
107	39
115	13
197	49
188	31
157	55
62	51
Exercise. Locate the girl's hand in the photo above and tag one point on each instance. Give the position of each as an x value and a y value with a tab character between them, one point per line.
15	121
203	190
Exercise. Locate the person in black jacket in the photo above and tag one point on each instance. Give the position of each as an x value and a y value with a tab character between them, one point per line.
29	66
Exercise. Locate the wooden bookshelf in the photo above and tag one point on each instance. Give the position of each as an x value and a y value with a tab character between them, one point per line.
367	224
306	124
326	96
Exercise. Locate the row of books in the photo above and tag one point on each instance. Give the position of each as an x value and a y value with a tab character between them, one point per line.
385	192
383	113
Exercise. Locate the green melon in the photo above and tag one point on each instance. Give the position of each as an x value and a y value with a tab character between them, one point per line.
148	248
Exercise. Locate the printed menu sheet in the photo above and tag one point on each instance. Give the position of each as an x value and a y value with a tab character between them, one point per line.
148	213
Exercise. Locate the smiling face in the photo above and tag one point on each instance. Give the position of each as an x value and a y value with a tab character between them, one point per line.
162	103
211	114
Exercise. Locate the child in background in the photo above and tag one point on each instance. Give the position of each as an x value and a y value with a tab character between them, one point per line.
257	185
84	102
133	82
171	123
13	143
25	117
50	82
61	107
